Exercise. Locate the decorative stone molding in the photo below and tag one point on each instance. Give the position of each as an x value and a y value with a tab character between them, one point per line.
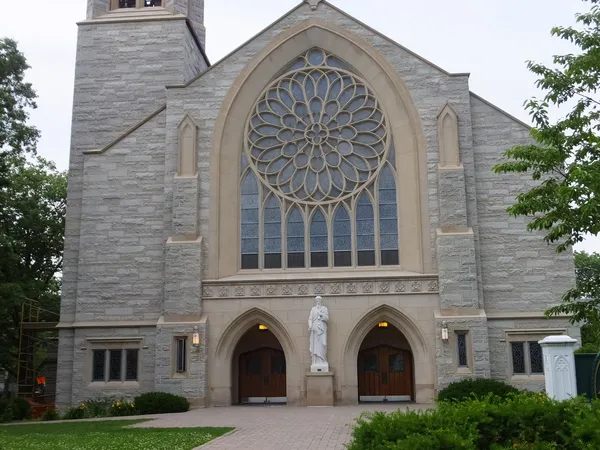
448	137
188	147
241	289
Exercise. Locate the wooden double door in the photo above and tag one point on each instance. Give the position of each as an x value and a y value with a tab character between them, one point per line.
385	373
262	376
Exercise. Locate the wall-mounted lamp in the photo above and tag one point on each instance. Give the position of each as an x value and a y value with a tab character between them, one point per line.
444	331
383	324
262	327
196	337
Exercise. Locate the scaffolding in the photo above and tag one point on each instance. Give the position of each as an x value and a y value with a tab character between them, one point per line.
32	382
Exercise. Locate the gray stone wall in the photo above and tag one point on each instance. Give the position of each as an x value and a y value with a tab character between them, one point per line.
83	389
520	271
121	251
447	352
500	346
193	383
120	77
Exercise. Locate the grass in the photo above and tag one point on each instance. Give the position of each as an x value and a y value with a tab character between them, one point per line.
105	435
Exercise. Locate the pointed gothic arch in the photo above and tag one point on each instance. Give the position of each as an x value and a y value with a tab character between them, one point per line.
188	147
448	137
222	374
423	362
405	126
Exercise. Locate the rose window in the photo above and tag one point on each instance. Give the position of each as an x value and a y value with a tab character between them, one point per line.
317	133
318	174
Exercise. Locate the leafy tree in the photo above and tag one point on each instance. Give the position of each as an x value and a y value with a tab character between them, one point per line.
582	301
17	138
32	210
32	218
564	157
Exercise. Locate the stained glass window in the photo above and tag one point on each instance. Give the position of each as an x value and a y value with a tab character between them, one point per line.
317	143
131	364
318	241
150	3
342	238
371	363
181	354
127	3
388	218
98	365
250	222
115	365
518	357
535	357
396	363
295	239
365	231
272	233
253	366
461	341
278	364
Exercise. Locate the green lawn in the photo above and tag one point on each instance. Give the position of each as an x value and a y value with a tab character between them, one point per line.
105	435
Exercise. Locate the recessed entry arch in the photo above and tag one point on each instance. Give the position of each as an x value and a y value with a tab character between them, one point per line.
228	139
252	362
397	354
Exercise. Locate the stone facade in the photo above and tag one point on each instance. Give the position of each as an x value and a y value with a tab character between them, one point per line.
152	247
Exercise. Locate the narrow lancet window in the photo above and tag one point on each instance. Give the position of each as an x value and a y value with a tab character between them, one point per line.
342	239
365	231
388	218
295	240
272	233
249	231
319	248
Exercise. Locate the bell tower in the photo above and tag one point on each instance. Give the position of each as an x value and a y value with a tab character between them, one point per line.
127	52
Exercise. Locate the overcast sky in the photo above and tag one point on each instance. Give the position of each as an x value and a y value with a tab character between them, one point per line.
490	39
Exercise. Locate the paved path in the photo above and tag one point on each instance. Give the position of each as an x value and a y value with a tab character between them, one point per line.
275	427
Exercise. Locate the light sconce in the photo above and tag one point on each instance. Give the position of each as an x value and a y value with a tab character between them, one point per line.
196	337
262	327
383	324
444	331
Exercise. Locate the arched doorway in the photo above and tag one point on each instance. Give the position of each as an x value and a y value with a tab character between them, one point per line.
385	366
259	368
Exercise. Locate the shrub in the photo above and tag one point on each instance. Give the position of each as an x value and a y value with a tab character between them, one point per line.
76	412
588	348
523	421
475	388
123	408
97	408
6	412
160	403
21	409
50	414
14	409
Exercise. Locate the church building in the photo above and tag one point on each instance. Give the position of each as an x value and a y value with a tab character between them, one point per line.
210	204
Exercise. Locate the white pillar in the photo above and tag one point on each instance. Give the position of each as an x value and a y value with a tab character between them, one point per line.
559	366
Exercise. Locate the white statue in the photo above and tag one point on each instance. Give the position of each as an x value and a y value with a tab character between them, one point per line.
317	325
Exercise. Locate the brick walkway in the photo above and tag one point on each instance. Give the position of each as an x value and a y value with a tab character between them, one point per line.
275	427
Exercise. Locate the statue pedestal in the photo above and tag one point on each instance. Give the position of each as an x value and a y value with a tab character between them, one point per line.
319	389
319	368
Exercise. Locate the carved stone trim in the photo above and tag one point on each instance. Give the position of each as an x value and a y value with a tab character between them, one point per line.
334	288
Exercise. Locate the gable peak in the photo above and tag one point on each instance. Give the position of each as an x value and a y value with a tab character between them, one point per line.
313	3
